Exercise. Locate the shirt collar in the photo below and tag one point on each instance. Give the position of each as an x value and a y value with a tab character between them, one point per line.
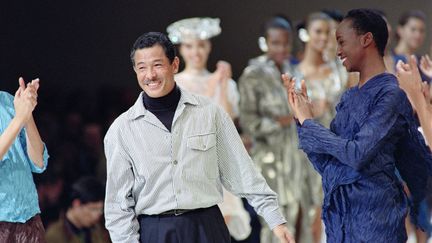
138	110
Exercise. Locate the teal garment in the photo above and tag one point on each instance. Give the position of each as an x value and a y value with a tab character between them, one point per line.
18	195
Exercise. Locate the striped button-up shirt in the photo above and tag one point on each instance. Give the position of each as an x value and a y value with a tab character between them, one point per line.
151	170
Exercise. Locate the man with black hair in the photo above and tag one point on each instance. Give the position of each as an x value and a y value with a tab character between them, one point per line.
372	135
81	220
168	157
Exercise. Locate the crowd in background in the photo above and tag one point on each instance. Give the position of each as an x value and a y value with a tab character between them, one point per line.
73	126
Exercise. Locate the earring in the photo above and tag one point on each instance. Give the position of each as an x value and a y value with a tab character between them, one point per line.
303	35
262	44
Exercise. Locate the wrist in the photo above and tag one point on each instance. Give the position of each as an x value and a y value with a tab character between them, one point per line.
302	119
19	121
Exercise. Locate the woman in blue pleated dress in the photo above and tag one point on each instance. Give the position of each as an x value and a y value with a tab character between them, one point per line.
372	136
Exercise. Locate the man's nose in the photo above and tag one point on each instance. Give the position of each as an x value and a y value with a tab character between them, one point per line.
151	73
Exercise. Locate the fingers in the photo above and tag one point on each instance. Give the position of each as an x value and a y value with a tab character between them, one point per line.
35	84
413	65
18	92
404	67
29	92
288	81
400	66
303	88
21	83
412	61
428	60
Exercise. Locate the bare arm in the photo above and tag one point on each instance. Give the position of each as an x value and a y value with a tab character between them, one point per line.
9	135
35	145
410	82
24	104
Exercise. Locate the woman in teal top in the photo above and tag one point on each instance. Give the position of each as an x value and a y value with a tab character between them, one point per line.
21	152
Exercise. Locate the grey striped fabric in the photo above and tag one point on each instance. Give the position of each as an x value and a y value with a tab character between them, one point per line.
151	170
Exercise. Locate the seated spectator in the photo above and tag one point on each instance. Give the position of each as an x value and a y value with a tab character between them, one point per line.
81	220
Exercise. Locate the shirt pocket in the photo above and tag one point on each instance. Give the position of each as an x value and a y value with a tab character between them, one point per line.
202	142
202	157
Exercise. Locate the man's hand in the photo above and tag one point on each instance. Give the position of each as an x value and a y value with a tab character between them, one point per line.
283	234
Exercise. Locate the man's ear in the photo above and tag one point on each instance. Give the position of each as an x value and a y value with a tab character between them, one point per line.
366	39
175	64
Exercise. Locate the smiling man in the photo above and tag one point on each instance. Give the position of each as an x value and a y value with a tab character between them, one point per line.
168	157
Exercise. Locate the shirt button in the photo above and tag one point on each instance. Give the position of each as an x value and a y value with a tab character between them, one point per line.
175	162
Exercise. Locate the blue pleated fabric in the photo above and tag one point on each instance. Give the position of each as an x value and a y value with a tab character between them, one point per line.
373	135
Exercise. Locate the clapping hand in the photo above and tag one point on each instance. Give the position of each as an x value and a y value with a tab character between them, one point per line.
410	80
426	65
25	100
298	101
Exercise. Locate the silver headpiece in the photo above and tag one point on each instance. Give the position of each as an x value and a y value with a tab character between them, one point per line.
195	28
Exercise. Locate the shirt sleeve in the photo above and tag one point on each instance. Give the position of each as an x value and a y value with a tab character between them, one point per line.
318	161
239	175
365	144
120	218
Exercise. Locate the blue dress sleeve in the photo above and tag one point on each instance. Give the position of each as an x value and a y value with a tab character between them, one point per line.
318	161
365	144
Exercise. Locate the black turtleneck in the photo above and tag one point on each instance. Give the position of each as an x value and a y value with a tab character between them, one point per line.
163	107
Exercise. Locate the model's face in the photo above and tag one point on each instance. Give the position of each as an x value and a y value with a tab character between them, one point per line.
195	52
90	213
279	45
318	31
154	71
349	48
412	33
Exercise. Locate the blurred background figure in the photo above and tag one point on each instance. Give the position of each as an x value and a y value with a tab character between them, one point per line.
326	80
193	36
410	36
81	220
266	118
388	57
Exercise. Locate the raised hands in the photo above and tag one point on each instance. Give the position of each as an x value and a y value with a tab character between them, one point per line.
410	81
426	65
221	76
25	100
298	101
